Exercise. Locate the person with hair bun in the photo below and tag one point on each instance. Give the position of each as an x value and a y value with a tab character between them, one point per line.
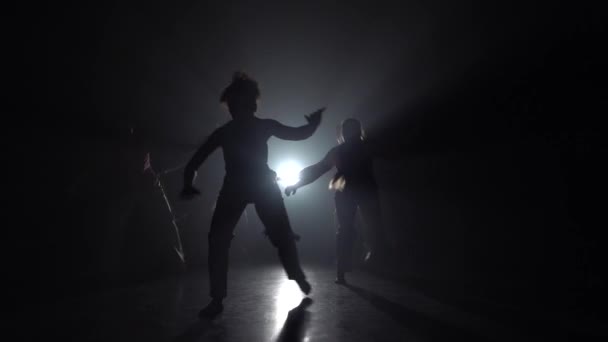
355	188
248	179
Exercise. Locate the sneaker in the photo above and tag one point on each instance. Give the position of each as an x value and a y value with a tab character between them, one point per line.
304	285
214	308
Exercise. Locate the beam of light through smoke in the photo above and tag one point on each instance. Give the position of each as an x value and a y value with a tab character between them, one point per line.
288	172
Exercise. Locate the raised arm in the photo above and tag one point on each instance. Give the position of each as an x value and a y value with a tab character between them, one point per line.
281	131
312	173
210	145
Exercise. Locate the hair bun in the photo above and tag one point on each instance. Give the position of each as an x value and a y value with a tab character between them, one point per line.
239	75
242	86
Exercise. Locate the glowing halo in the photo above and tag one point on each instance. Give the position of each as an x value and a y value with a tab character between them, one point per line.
288	173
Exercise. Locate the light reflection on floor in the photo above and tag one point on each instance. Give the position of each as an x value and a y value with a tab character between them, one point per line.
261	308
287	296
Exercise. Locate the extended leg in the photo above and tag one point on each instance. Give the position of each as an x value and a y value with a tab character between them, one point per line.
273	215
226	216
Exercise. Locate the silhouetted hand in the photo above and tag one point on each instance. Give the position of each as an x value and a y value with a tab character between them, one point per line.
189	192
315	118
290	190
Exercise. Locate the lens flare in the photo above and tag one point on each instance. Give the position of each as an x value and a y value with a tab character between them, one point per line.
289	173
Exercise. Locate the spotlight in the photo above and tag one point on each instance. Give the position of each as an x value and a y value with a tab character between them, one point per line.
288	173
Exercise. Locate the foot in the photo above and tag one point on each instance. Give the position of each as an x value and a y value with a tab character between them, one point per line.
368	257
375	260
340	281
304	285
214	308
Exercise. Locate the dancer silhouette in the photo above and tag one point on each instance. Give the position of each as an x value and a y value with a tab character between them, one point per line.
355	188
248	179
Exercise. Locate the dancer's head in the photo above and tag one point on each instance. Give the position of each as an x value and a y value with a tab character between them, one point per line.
351	130
241	95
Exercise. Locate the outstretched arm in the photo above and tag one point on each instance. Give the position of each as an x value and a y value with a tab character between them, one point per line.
297	133
210	145
312	173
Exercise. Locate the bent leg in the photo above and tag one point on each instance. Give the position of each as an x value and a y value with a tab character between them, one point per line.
273	215
228	210
369	204
345	231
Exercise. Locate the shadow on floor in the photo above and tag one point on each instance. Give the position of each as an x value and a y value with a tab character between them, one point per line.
420	324
533	326
200	328
294	328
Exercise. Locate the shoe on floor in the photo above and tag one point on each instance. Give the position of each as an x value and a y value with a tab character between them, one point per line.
304	285
214	308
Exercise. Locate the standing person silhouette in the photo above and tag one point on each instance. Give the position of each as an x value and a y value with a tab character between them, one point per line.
355	188
248	179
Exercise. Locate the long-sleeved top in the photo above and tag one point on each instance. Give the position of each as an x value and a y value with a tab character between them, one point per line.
354	164
244	143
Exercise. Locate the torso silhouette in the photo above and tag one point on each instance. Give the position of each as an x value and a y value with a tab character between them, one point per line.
354	161
245	149
244	143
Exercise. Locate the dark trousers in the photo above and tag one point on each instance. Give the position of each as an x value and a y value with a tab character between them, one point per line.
230	205
347	203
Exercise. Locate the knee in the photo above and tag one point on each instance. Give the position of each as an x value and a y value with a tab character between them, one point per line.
345	230
279	239
347	238
220	239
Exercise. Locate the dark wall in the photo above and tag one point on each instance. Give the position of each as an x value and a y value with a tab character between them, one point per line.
499	193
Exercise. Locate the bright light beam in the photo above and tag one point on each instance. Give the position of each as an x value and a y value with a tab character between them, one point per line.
289	173
287	296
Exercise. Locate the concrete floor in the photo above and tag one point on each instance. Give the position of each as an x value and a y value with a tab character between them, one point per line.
262	305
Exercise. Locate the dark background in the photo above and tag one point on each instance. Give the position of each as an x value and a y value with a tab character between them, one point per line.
491	115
